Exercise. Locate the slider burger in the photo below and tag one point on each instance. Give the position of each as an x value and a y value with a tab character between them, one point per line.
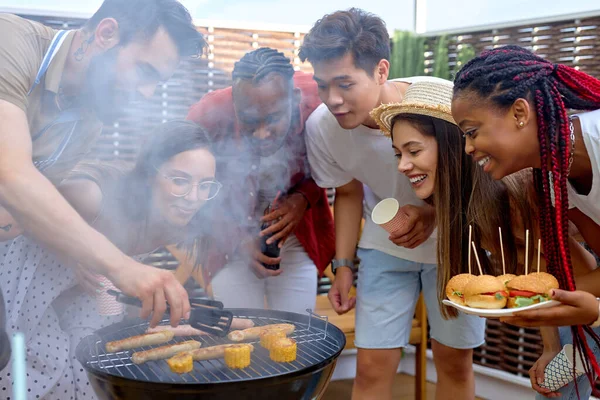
456	286
526	290
506	277
485	291
546	278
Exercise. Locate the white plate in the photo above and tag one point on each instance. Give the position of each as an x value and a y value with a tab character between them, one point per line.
503	312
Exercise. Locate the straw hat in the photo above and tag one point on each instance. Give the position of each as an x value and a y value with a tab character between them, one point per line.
431	98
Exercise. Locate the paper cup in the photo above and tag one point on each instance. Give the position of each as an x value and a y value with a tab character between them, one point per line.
559	372
387	214
107	304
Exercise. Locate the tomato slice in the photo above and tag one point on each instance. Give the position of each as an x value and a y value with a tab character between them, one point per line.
522	293
502	293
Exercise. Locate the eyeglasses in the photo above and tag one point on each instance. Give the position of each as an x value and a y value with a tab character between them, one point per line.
181	187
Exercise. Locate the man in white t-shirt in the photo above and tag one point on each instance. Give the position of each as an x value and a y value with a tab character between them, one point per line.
349	51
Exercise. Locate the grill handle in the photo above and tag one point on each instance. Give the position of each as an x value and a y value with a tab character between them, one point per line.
312	315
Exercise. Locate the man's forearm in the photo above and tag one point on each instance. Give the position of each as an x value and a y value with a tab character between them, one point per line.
347	210
42	212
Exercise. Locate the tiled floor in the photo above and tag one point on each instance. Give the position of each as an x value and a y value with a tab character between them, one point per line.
404	389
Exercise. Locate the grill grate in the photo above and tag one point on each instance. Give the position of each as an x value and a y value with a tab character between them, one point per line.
314	346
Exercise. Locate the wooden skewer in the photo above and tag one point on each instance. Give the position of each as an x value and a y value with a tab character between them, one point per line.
502	251
539	247
477	258
526	251
469	246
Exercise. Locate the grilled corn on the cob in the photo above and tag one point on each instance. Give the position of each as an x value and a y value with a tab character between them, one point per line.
269	337
237	356
283	350
181	363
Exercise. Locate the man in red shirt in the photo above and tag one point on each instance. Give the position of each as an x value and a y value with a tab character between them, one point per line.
258	131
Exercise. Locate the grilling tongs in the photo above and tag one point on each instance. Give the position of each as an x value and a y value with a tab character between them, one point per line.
206	315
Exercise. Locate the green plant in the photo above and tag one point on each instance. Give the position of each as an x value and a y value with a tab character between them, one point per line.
441	69
465	53
408	55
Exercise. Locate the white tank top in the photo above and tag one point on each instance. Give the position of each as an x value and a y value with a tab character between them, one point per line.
589	204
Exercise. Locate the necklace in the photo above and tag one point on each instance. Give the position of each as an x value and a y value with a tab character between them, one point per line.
572	152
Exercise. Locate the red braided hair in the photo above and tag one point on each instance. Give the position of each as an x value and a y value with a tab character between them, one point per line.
506	74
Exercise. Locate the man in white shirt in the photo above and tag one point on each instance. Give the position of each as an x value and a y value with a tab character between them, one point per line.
349	51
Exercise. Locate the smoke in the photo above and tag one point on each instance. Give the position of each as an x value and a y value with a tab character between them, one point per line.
252	178
100	92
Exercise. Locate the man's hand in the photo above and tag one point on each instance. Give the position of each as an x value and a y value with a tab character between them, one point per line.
252	251
339	293
577	308
154	287
536	373
420	225
288	214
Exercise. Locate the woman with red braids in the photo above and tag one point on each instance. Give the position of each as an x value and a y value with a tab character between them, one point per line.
512	107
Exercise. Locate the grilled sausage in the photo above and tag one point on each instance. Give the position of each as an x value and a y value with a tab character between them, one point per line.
210	353
188	330
164	352
147	339
254	333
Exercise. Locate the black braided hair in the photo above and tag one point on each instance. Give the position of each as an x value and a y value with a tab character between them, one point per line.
502	76
259	63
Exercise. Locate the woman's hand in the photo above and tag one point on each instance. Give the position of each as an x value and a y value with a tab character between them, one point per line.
536	373
577	308
89	281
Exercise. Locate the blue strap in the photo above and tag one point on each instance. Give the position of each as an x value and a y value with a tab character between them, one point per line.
54	46
68	116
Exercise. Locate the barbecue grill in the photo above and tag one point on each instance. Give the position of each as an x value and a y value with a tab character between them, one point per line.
114	376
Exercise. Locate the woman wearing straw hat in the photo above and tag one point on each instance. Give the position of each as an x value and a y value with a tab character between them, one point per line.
429	149
349	51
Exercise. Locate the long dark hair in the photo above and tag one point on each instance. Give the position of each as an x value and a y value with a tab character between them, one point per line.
465	196
127	191
506	74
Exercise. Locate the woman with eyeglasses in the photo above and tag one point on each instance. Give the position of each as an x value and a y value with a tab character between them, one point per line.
156	203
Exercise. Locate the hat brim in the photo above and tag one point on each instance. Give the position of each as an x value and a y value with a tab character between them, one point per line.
385	114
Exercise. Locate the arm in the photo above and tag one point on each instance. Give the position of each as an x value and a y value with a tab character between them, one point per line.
36	203
84	195
347	216
551	341
38	206
588	229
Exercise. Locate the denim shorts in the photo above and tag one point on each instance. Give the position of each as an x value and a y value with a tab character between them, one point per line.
387	294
